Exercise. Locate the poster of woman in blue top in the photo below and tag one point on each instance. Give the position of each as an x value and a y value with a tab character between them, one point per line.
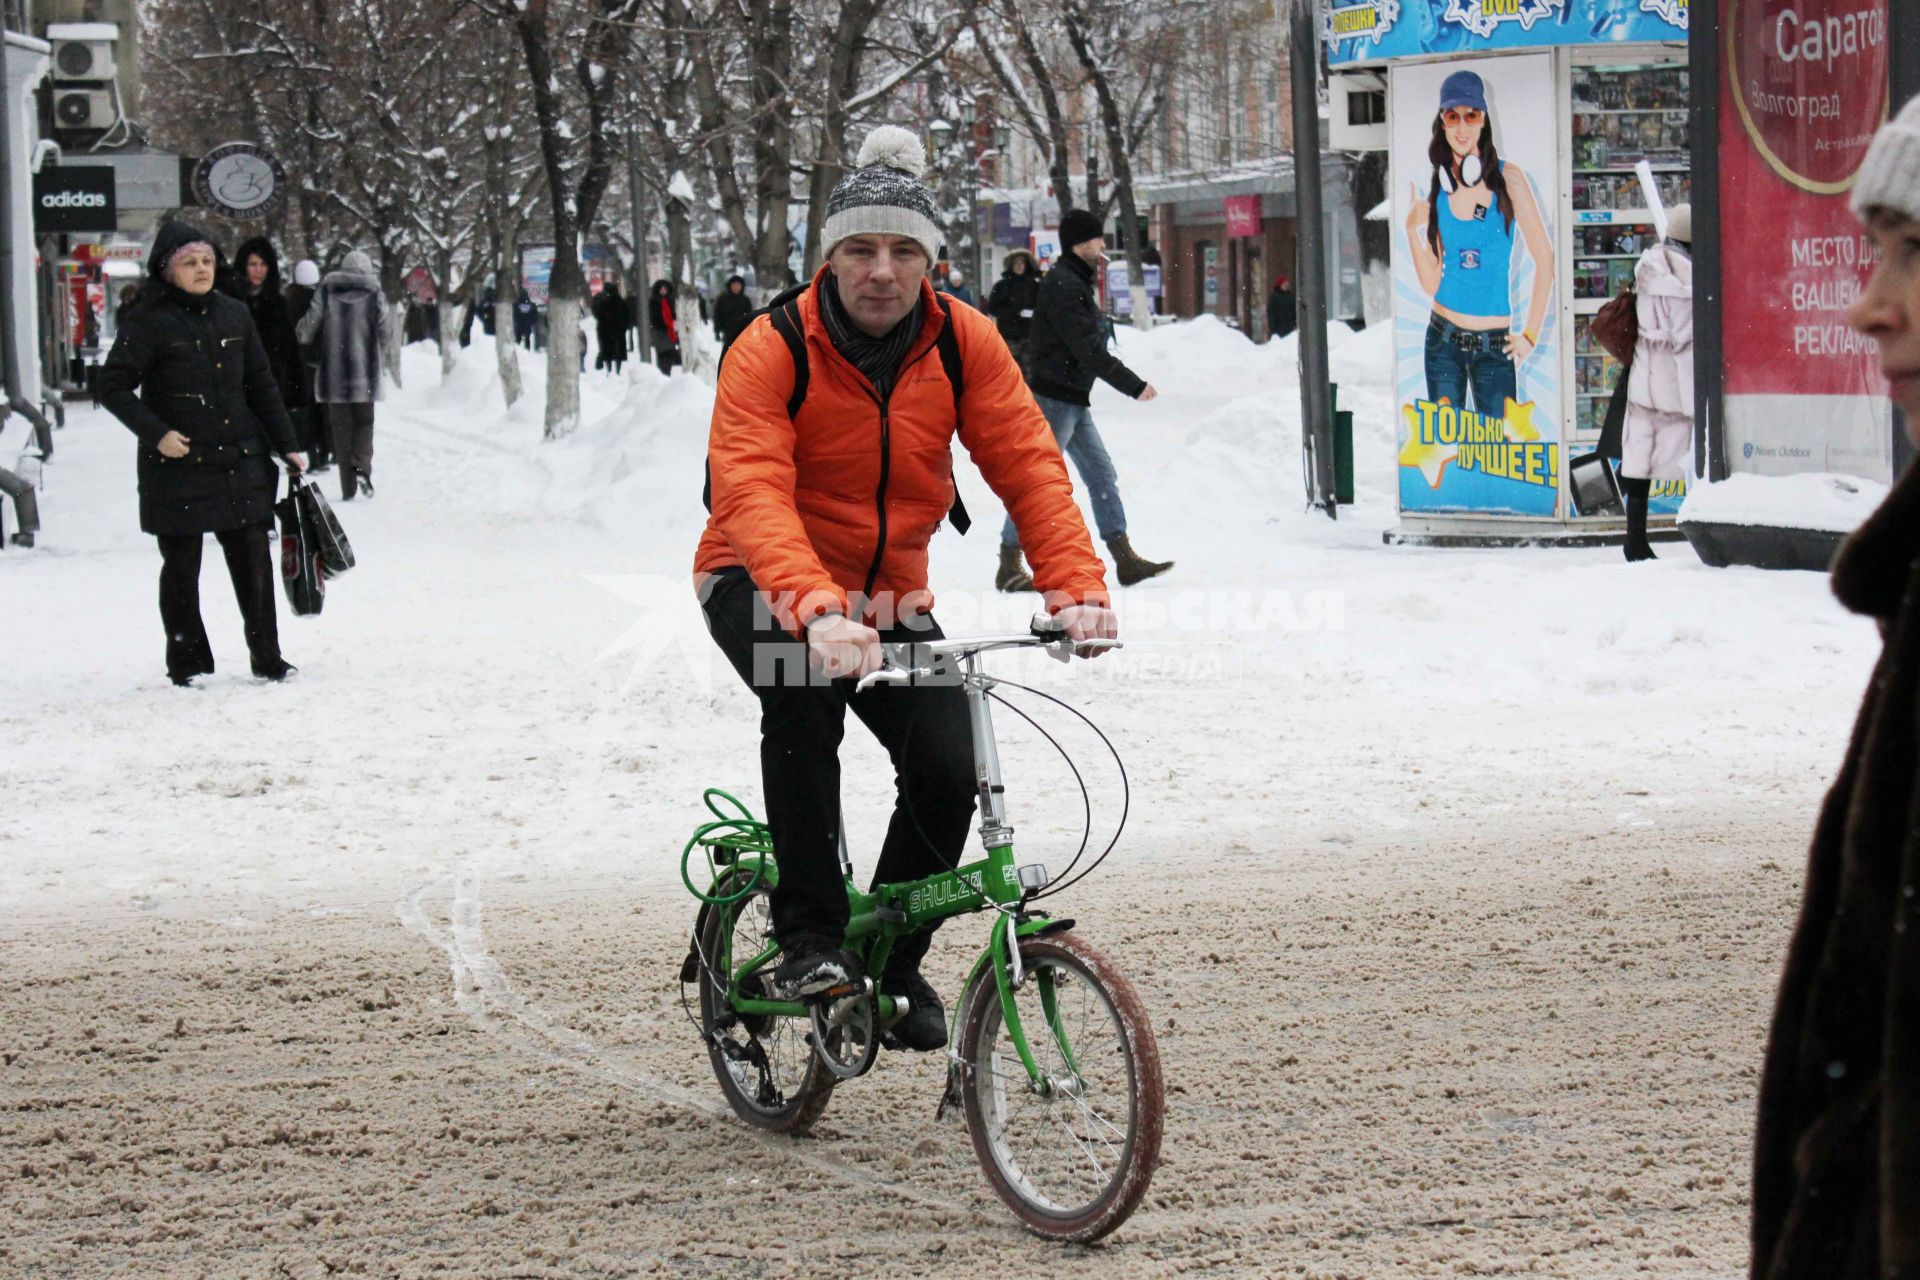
1475	288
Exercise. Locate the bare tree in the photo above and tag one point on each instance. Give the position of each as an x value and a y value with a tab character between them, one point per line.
577	153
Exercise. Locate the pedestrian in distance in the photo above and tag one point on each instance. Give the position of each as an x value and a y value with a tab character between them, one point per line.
189	377
731	311
348	326
1283	316
257	280
1836	1177
612	319
526	317
1656	439
1011	302
956	286
664	327
816	550
310	423
1066	353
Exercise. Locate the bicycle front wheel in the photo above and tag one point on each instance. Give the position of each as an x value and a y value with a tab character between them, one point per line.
1073	1153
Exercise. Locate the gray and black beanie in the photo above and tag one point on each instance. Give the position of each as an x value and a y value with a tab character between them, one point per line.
883	194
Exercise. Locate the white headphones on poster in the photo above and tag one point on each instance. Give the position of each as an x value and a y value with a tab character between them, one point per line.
1471	169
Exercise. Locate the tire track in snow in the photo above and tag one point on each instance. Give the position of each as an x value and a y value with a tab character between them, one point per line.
485	993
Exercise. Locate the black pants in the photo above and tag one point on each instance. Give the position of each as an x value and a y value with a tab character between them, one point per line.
250	565
315	435
925	730
352	426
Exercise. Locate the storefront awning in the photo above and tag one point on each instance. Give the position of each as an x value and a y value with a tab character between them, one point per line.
1216	185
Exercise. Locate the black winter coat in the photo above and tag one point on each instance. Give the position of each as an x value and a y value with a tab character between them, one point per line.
612	318
199	368
1067	345
731	312
1836	1177
1282	314
273	321
1012	302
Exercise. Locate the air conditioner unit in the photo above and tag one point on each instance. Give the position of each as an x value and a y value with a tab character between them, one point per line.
83	60
1357	112
84	109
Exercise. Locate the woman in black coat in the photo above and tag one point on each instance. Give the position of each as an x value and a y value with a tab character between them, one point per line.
1011	302
612	317
1836	1169
664	327
209	417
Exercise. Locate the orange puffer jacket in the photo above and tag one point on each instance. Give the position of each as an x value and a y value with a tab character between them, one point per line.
842	500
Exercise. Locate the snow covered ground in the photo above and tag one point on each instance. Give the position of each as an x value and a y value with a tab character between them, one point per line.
1399	756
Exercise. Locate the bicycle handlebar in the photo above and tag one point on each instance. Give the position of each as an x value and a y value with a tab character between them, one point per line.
1040	637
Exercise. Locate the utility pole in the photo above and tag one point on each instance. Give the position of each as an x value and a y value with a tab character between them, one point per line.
1310	268
1903	72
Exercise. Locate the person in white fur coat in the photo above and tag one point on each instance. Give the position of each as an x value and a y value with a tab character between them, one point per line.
1657	440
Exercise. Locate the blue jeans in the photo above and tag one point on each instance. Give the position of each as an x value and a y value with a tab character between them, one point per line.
1457	357
1079	439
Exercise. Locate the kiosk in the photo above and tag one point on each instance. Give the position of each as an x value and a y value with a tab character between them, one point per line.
1571	96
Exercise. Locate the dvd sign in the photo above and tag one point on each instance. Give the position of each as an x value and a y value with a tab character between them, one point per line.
74	198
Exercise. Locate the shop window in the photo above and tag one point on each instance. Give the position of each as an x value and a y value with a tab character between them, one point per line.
1367	108
1621	116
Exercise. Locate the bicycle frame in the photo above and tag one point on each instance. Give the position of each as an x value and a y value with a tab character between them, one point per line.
891	911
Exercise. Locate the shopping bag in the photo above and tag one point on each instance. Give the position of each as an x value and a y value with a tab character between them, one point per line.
1594	487
336	553
300	569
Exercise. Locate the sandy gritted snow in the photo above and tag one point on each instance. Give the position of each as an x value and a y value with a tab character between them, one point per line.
1456	882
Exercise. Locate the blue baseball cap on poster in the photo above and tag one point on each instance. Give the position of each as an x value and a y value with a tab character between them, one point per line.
1463	89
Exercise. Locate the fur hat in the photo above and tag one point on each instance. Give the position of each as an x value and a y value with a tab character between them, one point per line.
883	194
1078	227
306	272
1890	175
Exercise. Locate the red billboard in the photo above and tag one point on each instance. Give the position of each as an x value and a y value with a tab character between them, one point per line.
1805	87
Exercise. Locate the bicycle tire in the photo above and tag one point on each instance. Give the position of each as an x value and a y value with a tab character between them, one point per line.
985	1091
810	1087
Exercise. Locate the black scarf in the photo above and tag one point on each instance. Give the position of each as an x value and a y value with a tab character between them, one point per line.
878	358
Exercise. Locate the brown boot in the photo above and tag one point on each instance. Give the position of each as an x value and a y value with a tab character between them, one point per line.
1012	577
1132	568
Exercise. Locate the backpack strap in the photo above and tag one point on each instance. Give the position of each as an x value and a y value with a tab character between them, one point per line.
948	345
785	318
783	313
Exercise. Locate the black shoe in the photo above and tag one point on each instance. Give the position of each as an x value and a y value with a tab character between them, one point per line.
366	486
21	540
277	672
814	967
1638	551
186	681
924	1028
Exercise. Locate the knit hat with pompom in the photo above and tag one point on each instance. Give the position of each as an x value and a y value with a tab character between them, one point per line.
883	194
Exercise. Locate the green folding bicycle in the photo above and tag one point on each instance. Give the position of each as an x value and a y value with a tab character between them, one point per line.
1052	1058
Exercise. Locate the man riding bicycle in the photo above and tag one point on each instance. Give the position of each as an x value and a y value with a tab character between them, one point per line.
827	482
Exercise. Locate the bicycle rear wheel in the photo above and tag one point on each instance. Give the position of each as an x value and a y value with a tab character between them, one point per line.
1073	1156
766	1066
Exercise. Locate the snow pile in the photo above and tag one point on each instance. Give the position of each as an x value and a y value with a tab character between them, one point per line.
1823	500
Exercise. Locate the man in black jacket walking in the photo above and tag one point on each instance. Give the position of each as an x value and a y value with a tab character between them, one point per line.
1066	351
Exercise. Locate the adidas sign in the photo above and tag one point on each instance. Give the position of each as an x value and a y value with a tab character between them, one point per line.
73	200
